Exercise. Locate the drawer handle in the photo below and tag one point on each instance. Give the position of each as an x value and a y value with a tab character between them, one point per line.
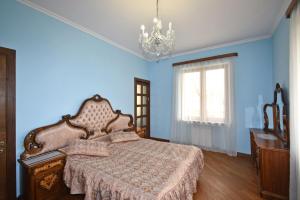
48	181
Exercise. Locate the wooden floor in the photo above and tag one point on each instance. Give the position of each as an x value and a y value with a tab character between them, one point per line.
223	178
226	177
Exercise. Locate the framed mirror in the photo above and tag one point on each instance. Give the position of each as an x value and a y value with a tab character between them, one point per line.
275	115
269	117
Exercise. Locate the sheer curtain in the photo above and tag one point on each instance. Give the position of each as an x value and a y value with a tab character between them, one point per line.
206	130
295	104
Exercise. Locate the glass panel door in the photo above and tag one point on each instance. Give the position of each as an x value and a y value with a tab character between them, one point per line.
142	105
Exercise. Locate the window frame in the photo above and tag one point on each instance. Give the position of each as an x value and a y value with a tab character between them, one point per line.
202	119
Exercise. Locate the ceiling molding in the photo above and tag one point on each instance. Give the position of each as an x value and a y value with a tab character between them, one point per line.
220	46
101	37
77	26
280	15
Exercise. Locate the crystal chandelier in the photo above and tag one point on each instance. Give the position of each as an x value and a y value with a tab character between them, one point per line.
157	45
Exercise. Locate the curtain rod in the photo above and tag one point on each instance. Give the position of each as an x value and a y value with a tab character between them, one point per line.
206	59
290	8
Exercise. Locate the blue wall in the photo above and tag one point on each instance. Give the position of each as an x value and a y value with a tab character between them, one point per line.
253	77
281	54
59	66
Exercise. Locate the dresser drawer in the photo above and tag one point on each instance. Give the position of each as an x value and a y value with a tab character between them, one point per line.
49	186
51	166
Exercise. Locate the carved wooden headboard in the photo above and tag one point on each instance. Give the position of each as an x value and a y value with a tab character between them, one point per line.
94	118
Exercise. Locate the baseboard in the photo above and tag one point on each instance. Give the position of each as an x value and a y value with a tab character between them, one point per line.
159	139
239	154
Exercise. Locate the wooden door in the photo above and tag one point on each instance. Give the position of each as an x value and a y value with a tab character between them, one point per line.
7	125
142	105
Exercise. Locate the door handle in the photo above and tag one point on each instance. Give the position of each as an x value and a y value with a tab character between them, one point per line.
2	143
2	146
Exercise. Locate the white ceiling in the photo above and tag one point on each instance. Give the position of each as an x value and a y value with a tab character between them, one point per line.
198	23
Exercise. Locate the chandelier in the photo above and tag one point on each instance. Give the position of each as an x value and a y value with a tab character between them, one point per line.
156	44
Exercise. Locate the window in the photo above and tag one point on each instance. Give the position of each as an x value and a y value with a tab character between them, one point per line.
203	94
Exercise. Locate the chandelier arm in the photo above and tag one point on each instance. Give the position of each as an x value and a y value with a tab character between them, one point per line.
157	8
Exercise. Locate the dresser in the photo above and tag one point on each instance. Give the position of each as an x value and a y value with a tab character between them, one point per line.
271	158
43	176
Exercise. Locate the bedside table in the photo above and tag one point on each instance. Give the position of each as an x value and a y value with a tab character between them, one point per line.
43	176
141	133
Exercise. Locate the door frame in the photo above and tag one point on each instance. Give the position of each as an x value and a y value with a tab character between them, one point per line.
149	102
10	122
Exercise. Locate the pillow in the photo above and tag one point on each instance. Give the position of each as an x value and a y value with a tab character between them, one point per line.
122	136
87	147
119	124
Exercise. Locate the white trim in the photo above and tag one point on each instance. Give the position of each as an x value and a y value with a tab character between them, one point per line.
220	46
77	26
279	16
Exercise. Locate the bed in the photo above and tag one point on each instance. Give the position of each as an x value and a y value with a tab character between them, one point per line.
141	169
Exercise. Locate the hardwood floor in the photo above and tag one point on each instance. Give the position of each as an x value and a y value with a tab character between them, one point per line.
223	178
226	177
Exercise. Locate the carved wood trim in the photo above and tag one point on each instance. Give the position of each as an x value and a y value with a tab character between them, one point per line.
48	181
274	110
48	166
33	147
105	129
266	122
290	9
119	113
97	98
276	116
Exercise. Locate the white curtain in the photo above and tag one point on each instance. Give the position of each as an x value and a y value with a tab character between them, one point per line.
295	104
220	137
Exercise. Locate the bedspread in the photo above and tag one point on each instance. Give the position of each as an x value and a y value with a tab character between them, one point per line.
137	170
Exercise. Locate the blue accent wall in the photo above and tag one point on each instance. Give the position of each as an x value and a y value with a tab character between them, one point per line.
281	53
59	66
253	77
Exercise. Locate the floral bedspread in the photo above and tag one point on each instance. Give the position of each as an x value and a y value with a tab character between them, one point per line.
137	170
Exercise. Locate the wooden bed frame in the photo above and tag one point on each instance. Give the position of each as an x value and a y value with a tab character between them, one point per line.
32	147
43	169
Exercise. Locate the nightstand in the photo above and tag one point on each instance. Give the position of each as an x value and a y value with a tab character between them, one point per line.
43	176
141	132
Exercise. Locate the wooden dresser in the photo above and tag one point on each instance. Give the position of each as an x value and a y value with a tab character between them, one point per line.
43	176
271	157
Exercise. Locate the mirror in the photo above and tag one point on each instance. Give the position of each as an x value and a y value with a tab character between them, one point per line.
280	107
275	115
268	116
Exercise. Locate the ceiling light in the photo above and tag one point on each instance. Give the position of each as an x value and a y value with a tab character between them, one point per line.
156	44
